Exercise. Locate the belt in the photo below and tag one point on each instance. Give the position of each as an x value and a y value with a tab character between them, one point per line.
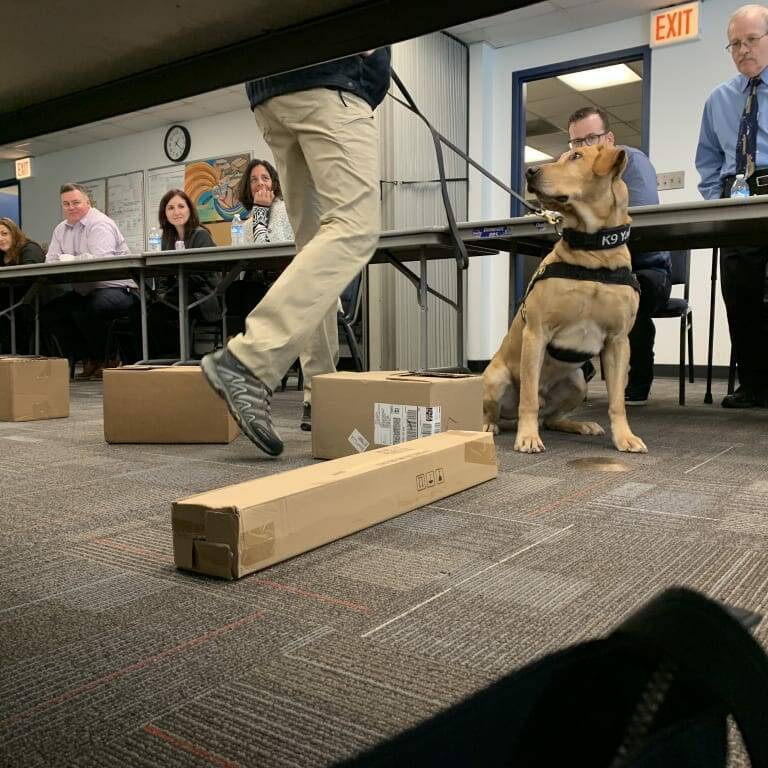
757	183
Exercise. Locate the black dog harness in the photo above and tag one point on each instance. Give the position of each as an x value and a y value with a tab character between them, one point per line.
599	241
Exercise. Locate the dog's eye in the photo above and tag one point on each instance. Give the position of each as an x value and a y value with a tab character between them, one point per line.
576	156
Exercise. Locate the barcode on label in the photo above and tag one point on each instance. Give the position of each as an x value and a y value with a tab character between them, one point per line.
411	422
394	424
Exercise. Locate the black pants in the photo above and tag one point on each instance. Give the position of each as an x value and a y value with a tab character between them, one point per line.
655	287
743	272
80	322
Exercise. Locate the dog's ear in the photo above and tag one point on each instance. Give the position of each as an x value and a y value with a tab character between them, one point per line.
610	160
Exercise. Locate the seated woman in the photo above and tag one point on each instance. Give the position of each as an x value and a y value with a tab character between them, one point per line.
179	220
259	193
16	248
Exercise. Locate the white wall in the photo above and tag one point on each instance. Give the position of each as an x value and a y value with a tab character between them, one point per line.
682	76
211	136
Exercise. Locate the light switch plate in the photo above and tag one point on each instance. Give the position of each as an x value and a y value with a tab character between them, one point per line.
671	180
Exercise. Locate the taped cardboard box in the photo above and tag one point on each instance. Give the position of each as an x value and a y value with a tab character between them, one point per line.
164	404
243	528
33	388
355	412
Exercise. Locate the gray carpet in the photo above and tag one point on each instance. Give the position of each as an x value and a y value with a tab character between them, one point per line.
111	657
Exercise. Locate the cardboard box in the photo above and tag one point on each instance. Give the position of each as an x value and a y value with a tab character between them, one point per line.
246	527
33	388
164	404
355	412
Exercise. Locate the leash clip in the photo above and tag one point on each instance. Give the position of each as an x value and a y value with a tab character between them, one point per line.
554	218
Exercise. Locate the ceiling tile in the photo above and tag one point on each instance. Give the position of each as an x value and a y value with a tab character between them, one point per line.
535	28
561	105
633	111
548	88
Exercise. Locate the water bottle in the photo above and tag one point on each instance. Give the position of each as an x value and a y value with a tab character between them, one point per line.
237	231
155	239
740	187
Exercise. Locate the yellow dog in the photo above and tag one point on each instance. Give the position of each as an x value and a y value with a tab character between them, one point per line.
581	302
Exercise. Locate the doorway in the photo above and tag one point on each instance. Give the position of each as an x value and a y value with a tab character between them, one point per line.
543	98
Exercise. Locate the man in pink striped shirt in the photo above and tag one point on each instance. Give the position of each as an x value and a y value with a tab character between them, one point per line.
79	319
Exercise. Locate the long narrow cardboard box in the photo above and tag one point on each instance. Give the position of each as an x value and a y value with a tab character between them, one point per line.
243	528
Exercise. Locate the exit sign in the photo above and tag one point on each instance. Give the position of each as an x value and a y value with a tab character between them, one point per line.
24	168
675	25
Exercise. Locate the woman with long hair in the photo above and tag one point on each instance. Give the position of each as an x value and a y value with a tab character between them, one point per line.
16	247
178	219
260	194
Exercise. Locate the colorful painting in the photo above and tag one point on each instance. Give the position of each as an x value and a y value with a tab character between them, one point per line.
212	185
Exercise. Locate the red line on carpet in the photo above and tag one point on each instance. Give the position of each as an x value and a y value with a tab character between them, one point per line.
315	595
136	666
187	746
568	497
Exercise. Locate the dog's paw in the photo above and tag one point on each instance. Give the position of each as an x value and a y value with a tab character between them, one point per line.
590	428
491	428
630	443
529	443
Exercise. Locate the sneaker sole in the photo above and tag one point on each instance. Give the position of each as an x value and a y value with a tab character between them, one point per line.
635	403
212	377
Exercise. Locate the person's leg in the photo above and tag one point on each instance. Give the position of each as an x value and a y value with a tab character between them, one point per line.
743	279
56	320
655	287
101	306
336	140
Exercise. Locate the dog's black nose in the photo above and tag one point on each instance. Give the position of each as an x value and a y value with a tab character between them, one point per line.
532	171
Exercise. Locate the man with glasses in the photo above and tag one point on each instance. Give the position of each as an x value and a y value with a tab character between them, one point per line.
734	139
590	126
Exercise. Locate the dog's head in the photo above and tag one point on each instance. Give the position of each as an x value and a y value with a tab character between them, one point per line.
585	185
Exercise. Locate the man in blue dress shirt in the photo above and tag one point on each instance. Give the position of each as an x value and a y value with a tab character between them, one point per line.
730	144
589	126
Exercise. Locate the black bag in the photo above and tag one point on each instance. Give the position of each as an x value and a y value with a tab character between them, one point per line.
656	692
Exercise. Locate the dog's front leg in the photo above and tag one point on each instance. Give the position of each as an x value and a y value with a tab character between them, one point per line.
531	358
616	359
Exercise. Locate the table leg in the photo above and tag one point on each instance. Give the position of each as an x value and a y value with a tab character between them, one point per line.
461	359
710	347
37	323
12	318
424	347
143	301
183	314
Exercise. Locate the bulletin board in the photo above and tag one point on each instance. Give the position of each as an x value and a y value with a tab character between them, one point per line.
125	206
121	197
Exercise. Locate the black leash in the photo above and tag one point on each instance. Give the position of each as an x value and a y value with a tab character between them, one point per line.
554	218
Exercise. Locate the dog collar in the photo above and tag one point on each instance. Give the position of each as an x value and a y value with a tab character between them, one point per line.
601	240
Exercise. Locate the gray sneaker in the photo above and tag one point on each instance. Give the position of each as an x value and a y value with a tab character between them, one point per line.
247	397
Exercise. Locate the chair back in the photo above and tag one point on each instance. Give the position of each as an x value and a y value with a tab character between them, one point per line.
681	269
350	299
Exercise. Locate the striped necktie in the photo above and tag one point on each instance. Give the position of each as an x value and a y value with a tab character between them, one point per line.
746	144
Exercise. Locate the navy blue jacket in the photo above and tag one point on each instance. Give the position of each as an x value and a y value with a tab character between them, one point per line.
640	178
365	76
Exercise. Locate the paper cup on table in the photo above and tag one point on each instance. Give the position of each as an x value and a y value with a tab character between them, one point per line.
66	257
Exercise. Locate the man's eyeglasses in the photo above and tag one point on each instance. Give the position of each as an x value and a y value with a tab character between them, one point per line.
588	141
748	42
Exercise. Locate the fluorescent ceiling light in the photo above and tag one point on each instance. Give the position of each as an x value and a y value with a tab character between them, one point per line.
534	156
602	77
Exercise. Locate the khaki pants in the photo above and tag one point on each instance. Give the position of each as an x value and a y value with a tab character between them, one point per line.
325	145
